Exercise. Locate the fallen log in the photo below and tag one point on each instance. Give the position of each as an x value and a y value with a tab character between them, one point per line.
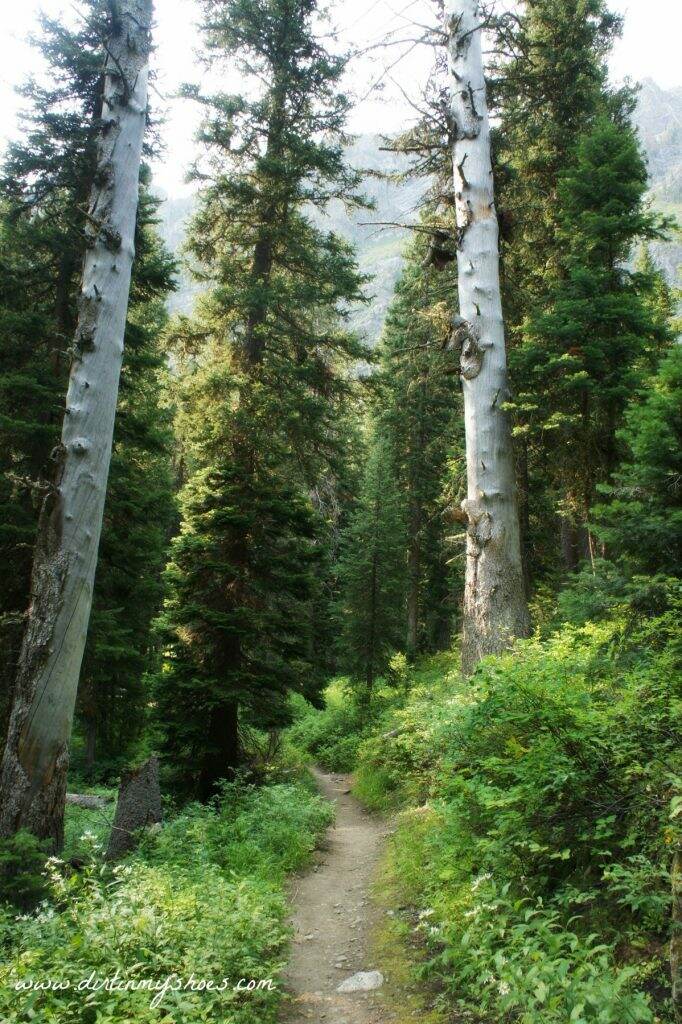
88	801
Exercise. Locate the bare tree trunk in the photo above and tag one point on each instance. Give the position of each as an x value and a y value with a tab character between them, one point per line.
495	609
33	779
413	581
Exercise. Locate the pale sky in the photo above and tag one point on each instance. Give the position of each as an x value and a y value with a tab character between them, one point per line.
650	47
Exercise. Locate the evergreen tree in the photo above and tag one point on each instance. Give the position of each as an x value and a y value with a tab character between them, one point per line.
587	354
271	333
642	521
237	625
44	184
419	409
548	86
372	570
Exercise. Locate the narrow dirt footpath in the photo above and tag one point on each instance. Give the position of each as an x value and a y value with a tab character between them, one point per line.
333	918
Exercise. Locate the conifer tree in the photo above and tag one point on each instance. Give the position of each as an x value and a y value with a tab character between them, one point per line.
549	85
548	89
237	625
418	409
641	523
272	330
585	356
373	573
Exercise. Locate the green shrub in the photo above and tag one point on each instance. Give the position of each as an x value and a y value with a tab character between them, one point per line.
331	737
517	958
22	864
147	922
82	822
543	787
266	832
203	899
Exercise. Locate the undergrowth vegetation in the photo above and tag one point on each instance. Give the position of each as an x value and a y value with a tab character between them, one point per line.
201	902
537	814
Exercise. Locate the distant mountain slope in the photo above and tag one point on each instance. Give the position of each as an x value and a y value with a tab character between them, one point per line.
378	248
659	122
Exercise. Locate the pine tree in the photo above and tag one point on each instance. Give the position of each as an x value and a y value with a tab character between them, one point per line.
586	355
372	570
642	521
548	89
419	409
271	336
237	626
549	85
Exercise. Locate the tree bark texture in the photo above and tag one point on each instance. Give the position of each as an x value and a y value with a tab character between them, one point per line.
495	609
33	779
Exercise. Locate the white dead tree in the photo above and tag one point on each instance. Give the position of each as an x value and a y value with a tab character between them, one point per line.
495	609
33	779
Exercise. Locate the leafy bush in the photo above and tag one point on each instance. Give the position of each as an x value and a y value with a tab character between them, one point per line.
331	736
81	821
266	832
540	852
334	736
202	899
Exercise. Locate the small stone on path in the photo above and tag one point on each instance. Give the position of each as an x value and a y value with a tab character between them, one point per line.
363	981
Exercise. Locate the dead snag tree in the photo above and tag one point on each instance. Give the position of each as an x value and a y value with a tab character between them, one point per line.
33	778
495	609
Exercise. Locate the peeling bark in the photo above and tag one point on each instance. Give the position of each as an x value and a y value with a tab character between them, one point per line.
495	609
33	779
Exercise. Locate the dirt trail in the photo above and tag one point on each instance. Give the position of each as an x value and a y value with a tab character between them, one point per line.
333	918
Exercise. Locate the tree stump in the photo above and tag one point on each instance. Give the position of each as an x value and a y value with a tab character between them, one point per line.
139	806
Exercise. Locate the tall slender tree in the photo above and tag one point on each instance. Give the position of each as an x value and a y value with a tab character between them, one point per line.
417	410
549	84
495	610
272	332
597	338
33	781
372	570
